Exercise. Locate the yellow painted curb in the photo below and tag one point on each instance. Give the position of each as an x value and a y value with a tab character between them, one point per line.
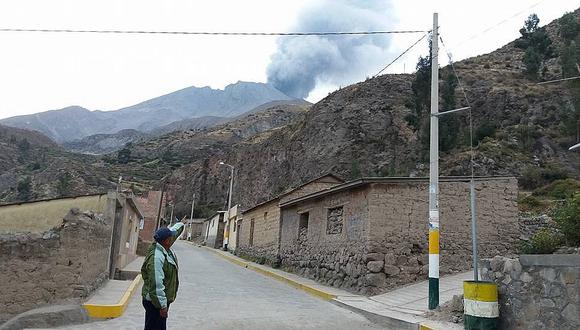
424	327
116	310
313	291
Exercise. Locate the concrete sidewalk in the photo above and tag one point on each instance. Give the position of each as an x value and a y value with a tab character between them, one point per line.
399	309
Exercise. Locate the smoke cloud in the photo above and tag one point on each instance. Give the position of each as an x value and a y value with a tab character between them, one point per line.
300	63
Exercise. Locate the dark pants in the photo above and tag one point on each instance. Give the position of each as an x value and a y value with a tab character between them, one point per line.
153	320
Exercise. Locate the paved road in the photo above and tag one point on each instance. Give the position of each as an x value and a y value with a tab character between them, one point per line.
216	294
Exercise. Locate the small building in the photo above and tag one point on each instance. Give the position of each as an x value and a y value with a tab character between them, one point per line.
214	230
152	207
371	234
258	234
231	230
126	216
193	229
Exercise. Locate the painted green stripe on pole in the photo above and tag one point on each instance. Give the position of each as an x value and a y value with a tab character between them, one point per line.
480	323
433	292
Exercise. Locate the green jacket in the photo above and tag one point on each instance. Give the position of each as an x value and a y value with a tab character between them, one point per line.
159	272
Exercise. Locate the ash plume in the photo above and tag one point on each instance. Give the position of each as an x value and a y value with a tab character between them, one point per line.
300	63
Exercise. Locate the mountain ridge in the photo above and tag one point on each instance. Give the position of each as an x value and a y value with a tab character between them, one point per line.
75	122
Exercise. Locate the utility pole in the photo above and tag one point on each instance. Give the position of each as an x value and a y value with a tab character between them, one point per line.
192	204
434	172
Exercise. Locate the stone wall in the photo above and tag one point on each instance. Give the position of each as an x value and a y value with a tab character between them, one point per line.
325	253
67	262
536	291
398	243
263	246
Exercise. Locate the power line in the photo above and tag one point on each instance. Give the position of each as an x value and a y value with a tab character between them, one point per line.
401	55
299	34
471	151
477	35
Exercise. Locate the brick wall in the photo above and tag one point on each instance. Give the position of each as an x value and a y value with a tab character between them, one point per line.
67	262
149	205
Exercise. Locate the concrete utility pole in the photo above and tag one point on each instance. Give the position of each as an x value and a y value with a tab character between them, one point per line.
434	172
192	204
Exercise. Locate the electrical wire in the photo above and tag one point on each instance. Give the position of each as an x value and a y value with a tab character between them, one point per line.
471	151
477	35
401	55
299	34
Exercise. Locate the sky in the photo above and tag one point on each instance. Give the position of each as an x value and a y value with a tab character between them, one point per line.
45	71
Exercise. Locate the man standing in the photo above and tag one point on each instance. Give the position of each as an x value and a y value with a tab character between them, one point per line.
160	278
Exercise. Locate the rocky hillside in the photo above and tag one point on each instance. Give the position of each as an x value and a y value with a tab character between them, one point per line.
73	123
368	129
32	166
103	143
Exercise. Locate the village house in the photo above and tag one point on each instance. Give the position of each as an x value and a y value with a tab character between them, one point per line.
231	231
152	206
193	229
258	233
126	215
371	234
213	228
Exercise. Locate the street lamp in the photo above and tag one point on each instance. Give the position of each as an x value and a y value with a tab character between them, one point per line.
231	185
227	220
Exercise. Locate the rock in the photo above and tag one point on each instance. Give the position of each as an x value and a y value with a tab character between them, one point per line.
375	257
496	263
401	260
457	303
572	313
547	303
549	274
389	259
375	266
392	270
507	280
376	279
526	278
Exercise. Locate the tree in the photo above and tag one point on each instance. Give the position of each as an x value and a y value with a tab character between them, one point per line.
24	189
63	184
124	155
568	27
568	218
533	61
537	45
23	145
568	60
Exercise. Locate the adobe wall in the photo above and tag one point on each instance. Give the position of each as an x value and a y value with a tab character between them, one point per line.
215	235
265	238
312	187
398	243
67	262
40	216
333	255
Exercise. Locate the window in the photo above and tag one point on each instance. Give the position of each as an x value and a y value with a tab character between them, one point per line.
334	220
251	232
303	225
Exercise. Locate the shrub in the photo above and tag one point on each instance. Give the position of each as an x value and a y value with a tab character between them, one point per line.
529	203
559	189
543	242
568	218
